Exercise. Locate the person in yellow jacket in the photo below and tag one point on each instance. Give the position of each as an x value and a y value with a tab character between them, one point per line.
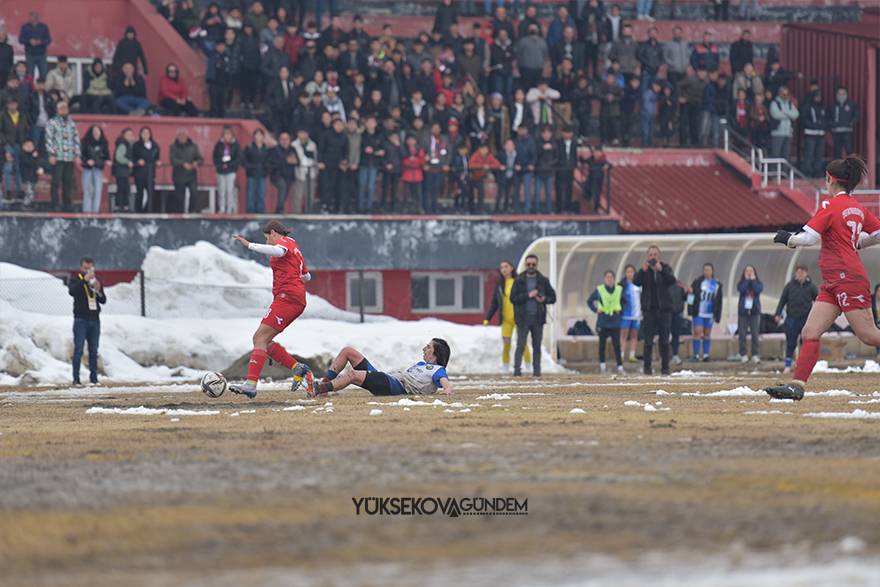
608	301
501	304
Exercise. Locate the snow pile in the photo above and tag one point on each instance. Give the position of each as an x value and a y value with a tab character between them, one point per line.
869	367
736	392
495	396
145	411
855	414
208	327
689	373
203	280
375	412
577	411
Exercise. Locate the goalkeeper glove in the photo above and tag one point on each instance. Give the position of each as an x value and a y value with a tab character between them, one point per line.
782	237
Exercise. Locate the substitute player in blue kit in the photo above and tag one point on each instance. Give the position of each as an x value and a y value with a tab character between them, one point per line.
705	308
423	378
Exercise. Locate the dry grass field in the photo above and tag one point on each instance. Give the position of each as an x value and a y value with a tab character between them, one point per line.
677	488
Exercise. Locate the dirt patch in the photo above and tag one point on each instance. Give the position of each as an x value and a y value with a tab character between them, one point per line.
114	498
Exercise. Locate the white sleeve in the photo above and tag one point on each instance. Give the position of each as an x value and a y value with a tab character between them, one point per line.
866	240
307	277
270	250
807	238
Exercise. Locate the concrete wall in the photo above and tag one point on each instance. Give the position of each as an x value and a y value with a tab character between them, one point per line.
328	243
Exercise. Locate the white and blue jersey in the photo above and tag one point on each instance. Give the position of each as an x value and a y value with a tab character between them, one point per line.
632	309
708	292
420	379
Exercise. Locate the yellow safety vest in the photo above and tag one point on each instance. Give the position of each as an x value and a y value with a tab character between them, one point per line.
609	303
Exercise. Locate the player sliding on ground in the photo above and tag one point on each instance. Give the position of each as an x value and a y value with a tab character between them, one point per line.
289	274
423	378
844	227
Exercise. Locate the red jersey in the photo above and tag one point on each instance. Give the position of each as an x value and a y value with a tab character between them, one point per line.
287	271
839	222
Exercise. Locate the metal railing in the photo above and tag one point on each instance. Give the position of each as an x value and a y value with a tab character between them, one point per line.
736	143
776	170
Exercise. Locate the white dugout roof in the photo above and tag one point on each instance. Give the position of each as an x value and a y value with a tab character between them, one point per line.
575	266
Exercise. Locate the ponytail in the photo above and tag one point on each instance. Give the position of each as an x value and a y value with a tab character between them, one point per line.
847	173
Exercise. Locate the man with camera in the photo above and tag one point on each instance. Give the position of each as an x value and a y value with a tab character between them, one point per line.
88	295
655	278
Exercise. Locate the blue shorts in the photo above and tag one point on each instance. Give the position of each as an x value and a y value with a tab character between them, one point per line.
704	323
629	324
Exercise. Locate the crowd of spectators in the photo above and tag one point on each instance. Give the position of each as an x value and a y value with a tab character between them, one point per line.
360	123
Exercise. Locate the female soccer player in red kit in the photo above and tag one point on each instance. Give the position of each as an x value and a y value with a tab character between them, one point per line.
289	274
844	227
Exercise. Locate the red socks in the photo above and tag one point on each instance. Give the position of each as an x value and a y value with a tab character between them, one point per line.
807	360
255	367
278	354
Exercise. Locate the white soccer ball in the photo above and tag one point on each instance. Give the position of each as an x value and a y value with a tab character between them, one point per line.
213	384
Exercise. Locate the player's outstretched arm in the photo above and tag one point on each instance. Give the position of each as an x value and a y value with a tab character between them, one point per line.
801	239
446	386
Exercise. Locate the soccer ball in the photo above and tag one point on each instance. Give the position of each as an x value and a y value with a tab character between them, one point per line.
213	384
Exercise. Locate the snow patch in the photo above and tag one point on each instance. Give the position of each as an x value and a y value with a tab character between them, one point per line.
375	412
855	414
869	367
293	409
145	411
577	411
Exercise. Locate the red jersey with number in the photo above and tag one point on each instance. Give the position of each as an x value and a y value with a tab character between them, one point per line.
839	222
287	272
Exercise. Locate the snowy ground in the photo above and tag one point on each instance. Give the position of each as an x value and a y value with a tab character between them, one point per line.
214	301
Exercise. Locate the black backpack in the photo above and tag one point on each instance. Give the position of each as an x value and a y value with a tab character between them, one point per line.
580	328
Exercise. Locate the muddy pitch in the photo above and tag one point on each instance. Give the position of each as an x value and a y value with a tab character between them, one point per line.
261	492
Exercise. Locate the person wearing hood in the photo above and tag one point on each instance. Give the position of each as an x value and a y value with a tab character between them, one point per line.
842	118
129	50
96	153
98	97
174	97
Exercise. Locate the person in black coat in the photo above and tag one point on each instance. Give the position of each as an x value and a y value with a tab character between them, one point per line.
256	168
655	278
333	157
88	295
282	163
566	150
251	66
530	294
145	156
6	57
797	300
129	50
392	167
281	99
95	155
